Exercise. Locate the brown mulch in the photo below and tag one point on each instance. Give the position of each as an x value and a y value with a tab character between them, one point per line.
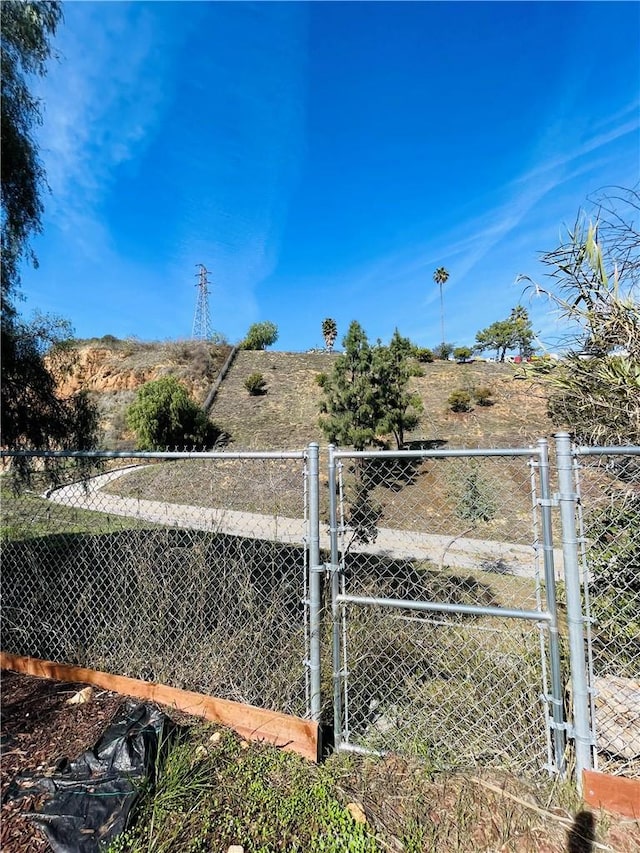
38	728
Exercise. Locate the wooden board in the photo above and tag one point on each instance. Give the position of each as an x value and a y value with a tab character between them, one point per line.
291	733
612	793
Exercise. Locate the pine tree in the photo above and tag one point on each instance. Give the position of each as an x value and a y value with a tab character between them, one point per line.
352	400
366	395
393	370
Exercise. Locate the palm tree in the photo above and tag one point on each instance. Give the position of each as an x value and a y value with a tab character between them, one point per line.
440	276
329	332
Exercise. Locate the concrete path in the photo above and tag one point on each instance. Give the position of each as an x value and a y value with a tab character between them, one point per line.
460	553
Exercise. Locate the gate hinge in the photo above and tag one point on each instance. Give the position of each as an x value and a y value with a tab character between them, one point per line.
562	727
548	501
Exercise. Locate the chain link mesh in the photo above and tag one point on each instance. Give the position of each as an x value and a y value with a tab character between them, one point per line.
193	572
608	487
189	572
455	688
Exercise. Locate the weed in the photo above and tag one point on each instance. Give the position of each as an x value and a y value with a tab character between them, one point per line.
255	384
211	795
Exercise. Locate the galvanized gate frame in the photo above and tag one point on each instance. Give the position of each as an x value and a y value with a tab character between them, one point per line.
538	457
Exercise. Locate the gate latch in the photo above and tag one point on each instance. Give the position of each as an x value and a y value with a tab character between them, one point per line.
326	567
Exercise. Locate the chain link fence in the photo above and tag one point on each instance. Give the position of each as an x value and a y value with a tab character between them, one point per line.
440	608
441	634
607	482
186	569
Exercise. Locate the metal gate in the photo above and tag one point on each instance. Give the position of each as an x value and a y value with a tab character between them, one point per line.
607	496
444	626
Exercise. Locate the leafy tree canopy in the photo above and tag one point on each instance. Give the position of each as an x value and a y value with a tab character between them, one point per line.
260	336
462	353
443	351
441	276
513	333
35	354
164	416
34	357
25	43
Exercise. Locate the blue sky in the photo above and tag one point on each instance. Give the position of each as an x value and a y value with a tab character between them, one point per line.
322	159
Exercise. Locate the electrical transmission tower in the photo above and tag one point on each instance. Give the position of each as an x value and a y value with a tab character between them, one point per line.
202	321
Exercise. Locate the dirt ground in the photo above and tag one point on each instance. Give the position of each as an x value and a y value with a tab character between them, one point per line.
39	727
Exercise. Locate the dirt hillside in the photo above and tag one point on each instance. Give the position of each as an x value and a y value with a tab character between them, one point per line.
286	416
112	371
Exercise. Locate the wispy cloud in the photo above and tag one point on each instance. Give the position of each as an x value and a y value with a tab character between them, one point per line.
245	155
467	249
222	90
101	106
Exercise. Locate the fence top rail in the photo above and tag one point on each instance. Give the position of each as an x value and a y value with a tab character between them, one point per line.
156	454
629	450
460	452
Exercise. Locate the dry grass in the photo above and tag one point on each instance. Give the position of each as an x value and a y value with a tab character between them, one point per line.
287	415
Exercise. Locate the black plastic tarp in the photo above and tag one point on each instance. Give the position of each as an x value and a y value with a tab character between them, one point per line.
91	797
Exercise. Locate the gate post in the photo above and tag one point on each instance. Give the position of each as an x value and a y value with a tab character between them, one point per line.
567	499
335	607
316	571
557	703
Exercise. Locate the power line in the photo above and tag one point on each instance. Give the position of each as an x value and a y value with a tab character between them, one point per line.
202	321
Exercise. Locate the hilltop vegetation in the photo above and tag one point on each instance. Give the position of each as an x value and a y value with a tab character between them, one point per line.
286	416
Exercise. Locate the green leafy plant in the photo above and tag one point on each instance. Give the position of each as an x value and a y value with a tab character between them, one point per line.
476	500
260	336
614	557
255	384
443	351
594	390
459	400
163	415
462	354
212	794
424	355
